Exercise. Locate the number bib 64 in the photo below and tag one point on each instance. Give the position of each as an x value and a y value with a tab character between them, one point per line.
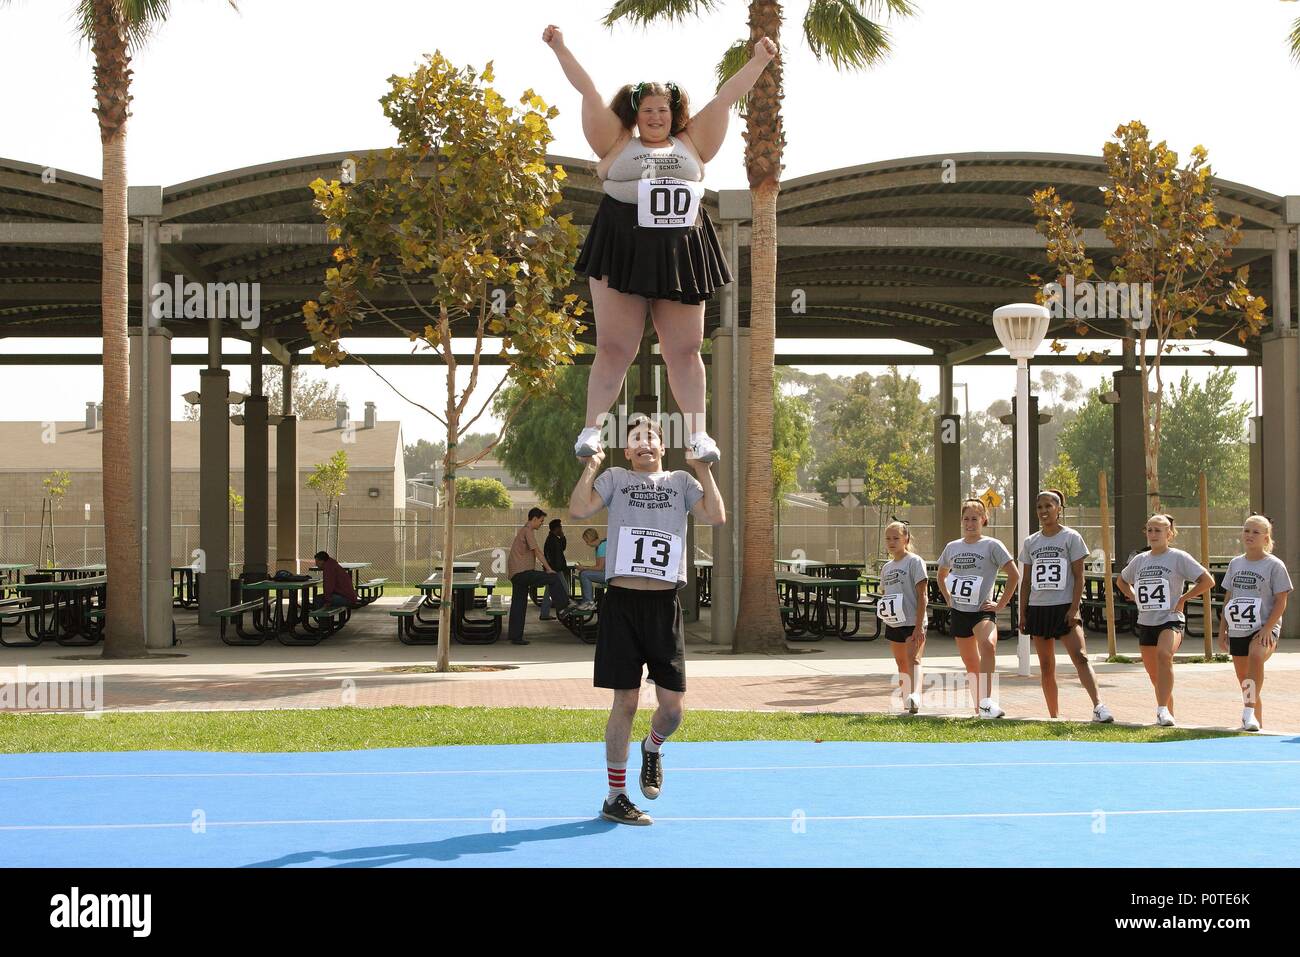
1152	595
667	203
648	553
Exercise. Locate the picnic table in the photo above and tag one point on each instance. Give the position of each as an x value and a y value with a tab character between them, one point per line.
57	610
809	600
413	628
76	571
10	575
282	610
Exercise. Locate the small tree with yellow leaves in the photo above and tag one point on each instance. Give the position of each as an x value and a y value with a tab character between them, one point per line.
460	216
1165	225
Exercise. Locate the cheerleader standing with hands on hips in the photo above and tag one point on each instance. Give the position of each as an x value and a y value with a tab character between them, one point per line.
904	591
968	570
651	244
1257	587
1154	581
1049	603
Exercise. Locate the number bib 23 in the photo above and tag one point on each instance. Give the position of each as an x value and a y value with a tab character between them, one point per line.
1049	574
889	609
1243	615
648	553
667	203
1152	595
965	589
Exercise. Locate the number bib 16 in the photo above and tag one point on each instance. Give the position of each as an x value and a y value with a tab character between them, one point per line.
667	203
1243	615
648	553
1152	595
1049	574
889	609
965	589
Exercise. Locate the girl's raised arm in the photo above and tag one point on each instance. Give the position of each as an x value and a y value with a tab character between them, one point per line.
600	124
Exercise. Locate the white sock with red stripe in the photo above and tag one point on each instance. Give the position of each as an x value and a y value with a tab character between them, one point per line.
617	779
653	741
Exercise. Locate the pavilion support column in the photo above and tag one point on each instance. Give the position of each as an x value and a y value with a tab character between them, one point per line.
1022	533
286	481
1256	464
214	482
157	540
730	418
1280	452
256	472
1129	492
947	463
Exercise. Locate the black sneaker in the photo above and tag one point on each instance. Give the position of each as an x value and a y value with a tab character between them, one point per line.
652	773
621	810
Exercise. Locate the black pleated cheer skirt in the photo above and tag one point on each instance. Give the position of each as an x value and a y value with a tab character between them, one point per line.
685	265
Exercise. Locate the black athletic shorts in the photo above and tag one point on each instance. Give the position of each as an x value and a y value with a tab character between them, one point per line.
899	632
1047	621
640	628
1240	647
964	622
1149	635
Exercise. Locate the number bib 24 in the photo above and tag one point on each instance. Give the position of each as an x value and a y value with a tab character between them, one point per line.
1152	595
1243	615
667	203
648	553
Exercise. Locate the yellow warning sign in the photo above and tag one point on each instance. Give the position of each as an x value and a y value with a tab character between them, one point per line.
990	498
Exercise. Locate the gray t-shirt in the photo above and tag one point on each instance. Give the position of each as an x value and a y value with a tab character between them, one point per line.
647	522
1051	572
899	577
1158	582
973	570
1251	587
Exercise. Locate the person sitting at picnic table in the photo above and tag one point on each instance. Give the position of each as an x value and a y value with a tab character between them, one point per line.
521	566
594	572
553	549
336	583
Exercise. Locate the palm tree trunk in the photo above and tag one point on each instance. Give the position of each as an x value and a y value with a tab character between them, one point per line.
124	630
764	143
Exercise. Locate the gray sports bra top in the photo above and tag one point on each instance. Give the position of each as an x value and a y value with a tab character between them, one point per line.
675	160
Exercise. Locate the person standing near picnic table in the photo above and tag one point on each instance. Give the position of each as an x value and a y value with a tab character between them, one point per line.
336	583
641	619
521	566
553	549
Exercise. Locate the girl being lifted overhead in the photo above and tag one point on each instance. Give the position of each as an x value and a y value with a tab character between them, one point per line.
651	242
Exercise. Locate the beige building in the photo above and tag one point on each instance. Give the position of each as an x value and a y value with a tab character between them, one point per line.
31	451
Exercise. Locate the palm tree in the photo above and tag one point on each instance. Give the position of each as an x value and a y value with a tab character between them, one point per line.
1294	41
846	32
114	29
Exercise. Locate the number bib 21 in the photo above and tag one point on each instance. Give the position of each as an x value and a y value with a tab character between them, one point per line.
667	203
889	609
648	553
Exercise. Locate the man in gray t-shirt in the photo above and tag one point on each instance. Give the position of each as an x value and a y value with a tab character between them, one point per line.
640	624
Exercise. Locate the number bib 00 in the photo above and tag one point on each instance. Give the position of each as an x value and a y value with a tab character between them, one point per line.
1152	595
648	553
889	609
667	203
965	589
1049	574
1243	615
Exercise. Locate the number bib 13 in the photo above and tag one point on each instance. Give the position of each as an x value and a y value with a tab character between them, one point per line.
1152	595
889	609
1243	615
1049	574
667	203
965	589
648	553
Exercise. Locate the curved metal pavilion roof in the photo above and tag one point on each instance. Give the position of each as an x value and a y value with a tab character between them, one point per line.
885	250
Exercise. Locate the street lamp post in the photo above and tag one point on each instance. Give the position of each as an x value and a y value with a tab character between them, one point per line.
1021	327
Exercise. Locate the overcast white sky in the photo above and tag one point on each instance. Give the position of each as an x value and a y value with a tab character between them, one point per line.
219	90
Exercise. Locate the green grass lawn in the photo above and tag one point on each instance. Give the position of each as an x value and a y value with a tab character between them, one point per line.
345	729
